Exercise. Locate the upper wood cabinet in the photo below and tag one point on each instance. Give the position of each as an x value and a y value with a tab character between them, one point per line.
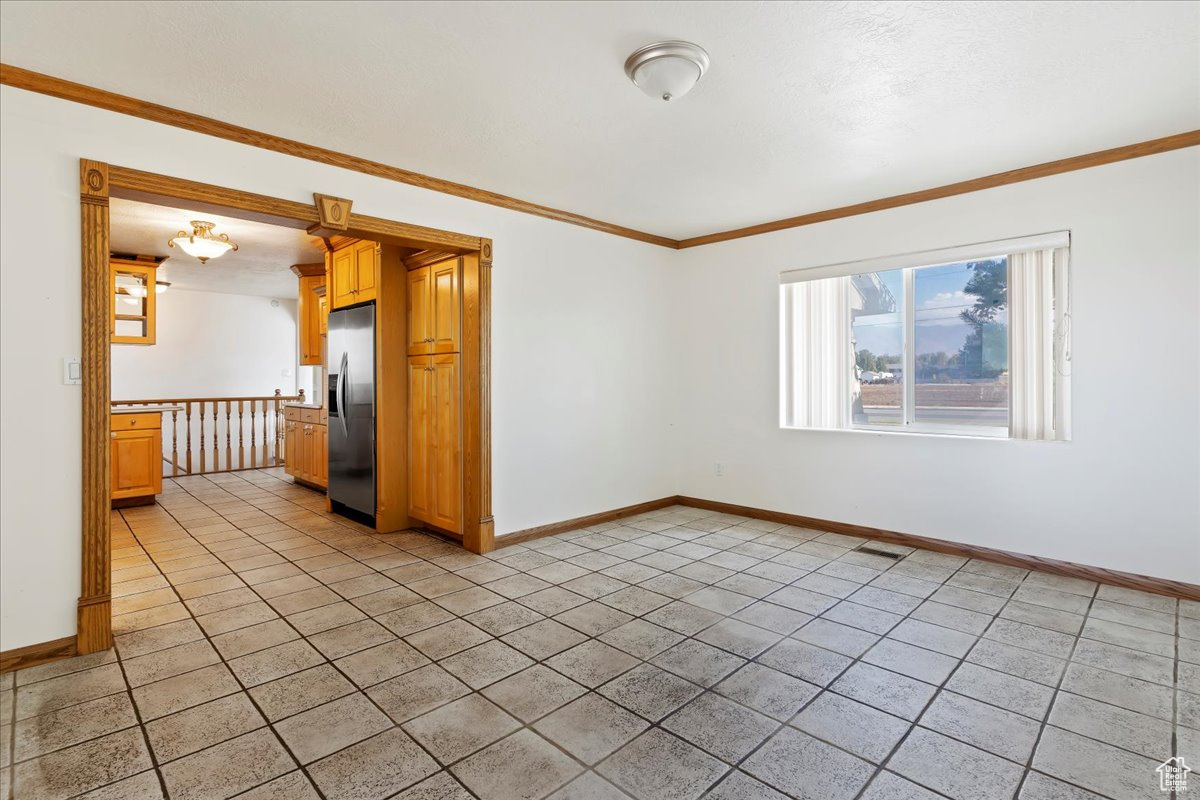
354	273
312	282
434	308
132	299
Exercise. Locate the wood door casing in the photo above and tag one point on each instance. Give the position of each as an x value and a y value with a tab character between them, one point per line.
97	181
420	401
445	436
444	305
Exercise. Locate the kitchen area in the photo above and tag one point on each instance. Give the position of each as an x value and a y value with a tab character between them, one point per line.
375	421
382	438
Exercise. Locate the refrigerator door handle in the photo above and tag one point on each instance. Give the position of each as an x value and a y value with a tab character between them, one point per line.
343	408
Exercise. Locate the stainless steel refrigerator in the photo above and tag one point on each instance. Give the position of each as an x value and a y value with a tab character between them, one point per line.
351	341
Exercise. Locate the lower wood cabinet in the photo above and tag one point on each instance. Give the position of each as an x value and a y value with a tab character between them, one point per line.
435	441
137	465
306	446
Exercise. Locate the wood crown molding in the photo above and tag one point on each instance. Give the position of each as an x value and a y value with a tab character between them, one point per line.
309	270
1148	148
1127	580
110	101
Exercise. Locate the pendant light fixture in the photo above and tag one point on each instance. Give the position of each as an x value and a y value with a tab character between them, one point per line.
667	70
202	242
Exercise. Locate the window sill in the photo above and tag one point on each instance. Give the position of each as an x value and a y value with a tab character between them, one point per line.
924	433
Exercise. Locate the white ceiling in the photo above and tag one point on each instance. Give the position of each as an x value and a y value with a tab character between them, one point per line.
807	106
261	266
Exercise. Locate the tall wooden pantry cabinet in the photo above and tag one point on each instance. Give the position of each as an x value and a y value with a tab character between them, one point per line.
434	394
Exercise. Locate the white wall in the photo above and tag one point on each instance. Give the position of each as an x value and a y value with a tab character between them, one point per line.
210	344
623	371
578	424
1125	494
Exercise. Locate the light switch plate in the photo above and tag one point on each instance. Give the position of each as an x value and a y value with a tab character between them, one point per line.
72	371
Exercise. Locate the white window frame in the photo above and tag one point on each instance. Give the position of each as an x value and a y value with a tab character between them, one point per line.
910	263
908	405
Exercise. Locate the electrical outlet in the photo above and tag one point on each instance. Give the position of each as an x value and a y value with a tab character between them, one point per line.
720	469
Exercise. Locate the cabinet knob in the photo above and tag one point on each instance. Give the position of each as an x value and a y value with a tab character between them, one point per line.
429	339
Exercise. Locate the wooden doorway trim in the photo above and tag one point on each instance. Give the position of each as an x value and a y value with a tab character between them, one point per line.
98	183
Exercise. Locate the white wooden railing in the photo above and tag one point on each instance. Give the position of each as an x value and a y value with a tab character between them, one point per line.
220	434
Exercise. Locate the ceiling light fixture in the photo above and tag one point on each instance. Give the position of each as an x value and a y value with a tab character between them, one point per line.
161	286
667	70
202	242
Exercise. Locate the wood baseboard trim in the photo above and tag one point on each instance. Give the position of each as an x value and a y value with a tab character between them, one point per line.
1126	580
553	528
34	654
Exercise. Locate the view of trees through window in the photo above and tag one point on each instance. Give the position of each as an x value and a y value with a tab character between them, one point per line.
958	330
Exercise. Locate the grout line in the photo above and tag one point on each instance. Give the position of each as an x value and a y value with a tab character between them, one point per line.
1045	721
241	510
302	767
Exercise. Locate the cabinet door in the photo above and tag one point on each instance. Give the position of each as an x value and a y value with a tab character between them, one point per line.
420	340
321	455
307	453
420	399
136	463
343	272
310	322
131	302
291	448
446	438
323	314
366	265
444	304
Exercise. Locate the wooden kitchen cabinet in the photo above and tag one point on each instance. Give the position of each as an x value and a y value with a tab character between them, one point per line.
306	446
136	447
434	308
312	284
420	427
435	441
132	301
354	273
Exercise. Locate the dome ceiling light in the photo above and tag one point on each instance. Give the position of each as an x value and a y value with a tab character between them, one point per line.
667	70
202	243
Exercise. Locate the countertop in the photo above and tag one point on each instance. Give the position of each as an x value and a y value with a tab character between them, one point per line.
145	409
296	404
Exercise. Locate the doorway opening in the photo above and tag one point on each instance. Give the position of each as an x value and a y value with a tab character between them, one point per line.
425	415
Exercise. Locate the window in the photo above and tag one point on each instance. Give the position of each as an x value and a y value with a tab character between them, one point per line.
968	341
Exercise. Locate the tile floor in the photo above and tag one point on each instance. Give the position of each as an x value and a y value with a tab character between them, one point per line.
266	649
